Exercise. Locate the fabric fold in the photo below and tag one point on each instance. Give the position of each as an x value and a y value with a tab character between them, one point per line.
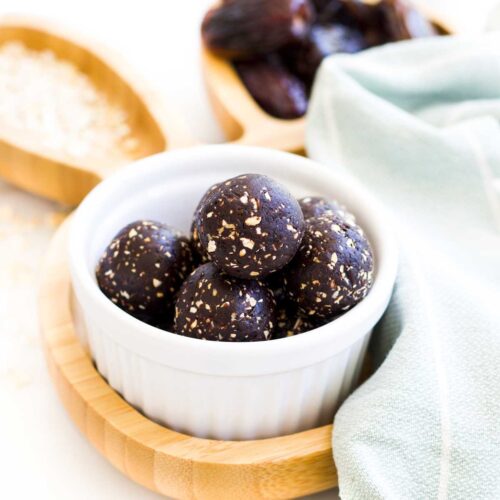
418	124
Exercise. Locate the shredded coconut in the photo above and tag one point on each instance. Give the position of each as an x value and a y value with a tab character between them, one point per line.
57	107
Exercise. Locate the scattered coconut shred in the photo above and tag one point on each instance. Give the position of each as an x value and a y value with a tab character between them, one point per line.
57	107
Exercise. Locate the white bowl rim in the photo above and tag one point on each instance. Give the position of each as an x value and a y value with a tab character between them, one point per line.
228	358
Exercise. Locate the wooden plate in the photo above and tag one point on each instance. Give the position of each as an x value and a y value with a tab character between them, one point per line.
53	174
243	120
165	461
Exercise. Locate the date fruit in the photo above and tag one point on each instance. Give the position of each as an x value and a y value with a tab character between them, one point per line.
322	42
326	10
401	21
358	15
354	13
275	89
277	45
243	29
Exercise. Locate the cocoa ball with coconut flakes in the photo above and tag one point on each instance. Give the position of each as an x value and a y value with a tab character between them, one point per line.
333	269
215	306
289	320
316	206
199	252
143	268
250	226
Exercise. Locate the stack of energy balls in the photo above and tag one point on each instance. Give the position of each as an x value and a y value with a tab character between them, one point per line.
260	265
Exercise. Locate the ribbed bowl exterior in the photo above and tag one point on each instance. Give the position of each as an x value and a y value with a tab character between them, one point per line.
222	390
225	407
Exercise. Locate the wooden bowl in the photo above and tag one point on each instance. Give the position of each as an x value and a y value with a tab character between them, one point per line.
55	175
165	461
243	120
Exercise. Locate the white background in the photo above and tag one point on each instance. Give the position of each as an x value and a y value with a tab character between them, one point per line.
42	455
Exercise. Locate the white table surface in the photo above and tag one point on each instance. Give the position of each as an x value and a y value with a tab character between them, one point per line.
42	454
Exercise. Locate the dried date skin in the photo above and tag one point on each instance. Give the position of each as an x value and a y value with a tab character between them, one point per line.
321	5
326	9
353	13
362	15
243	29
321	42
275	89
366	19
402	22
383	22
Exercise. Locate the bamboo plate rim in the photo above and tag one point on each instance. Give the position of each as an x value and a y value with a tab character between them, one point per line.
160	459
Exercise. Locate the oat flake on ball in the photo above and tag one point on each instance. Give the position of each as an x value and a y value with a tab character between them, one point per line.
250	226
214	306
333	269
143	268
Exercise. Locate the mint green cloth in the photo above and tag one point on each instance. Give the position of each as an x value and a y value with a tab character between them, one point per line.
418	124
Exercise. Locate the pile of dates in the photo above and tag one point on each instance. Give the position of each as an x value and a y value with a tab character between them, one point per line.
277	45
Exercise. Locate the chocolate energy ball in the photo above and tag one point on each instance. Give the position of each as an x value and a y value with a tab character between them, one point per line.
301	324
316	206
289	323
214	306
333	269
199	253
143	268
275	282
250	226
284	310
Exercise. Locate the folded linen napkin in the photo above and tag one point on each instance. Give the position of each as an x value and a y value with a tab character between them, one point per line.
418	124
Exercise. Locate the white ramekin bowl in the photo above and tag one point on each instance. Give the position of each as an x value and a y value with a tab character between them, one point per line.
216	389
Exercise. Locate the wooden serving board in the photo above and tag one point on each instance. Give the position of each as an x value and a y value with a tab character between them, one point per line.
165	461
